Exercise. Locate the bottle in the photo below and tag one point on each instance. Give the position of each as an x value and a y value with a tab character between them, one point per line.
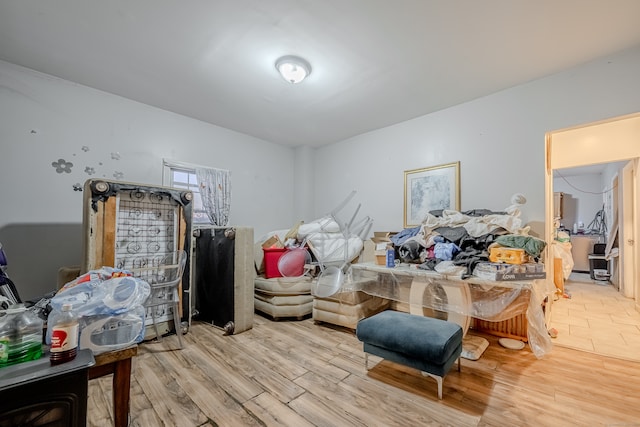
20	336
64	336
391	257
5	340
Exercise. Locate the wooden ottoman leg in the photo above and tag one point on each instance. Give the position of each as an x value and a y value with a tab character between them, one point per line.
438	380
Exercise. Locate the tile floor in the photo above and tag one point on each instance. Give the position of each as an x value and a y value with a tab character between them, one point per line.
597	319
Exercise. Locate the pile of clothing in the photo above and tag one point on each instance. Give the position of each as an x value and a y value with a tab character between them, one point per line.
452	242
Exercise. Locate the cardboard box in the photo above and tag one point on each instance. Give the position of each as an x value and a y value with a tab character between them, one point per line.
272	242
509	272
381	239
384	234
508	255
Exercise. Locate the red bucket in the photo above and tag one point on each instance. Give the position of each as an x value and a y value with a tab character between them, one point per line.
271	258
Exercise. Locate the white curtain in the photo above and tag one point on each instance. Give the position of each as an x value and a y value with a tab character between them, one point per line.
215	190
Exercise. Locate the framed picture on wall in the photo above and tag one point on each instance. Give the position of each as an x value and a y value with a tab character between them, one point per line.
428	189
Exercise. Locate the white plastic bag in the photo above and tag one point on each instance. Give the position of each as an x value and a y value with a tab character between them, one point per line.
104	291
109	305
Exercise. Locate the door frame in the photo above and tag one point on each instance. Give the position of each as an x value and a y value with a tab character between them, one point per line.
611	140
627	237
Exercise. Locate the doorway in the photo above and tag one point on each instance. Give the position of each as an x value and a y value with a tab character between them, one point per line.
613	140
585	205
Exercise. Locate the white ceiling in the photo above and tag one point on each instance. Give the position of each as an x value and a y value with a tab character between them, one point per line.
375	62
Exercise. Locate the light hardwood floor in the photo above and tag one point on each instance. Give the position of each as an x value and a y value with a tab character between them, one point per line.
300	373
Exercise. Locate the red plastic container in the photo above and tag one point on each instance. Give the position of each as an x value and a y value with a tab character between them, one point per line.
271	258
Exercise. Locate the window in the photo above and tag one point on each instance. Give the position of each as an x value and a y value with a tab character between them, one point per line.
181	175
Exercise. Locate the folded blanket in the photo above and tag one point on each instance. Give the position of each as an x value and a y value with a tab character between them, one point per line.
531	245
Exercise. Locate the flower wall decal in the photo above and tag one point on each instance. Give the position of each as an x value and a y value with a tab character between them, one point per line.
99	161
62	166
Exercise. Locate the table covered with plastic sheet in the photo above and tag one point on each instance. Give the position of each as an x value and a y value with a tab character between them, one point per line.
461	299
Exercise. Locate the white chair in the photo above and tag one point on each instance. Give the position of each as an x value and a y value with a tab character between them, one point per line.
164	276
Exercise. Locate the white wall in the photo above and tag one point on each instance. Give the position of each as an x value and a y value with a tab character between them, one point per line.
43	119
499	141
303	183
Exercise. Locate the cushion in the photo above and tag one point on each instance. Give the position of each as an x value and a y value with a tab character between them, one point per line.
414	336
278	311
284	285
284	299
348	297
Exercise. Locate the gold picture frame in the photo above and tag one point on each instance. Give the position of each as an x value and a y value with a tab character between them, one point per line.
428	189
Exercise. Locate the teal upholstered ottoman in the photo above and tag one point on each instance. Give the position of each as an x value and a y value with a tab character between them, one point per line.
424	343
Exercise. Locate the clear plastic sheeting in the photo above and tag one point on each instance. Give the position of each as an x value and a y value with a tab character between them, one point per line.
449	296
562	250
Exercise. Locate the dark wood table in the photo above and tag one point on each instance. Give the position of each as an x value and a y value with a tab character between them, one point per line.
118	363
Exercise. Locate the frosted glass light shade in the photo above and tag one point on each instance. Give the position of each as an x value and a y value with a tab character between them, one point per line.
293	69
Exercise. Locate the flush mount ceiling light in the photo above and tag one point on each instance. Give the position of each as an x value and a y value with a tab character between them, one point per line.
293	69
